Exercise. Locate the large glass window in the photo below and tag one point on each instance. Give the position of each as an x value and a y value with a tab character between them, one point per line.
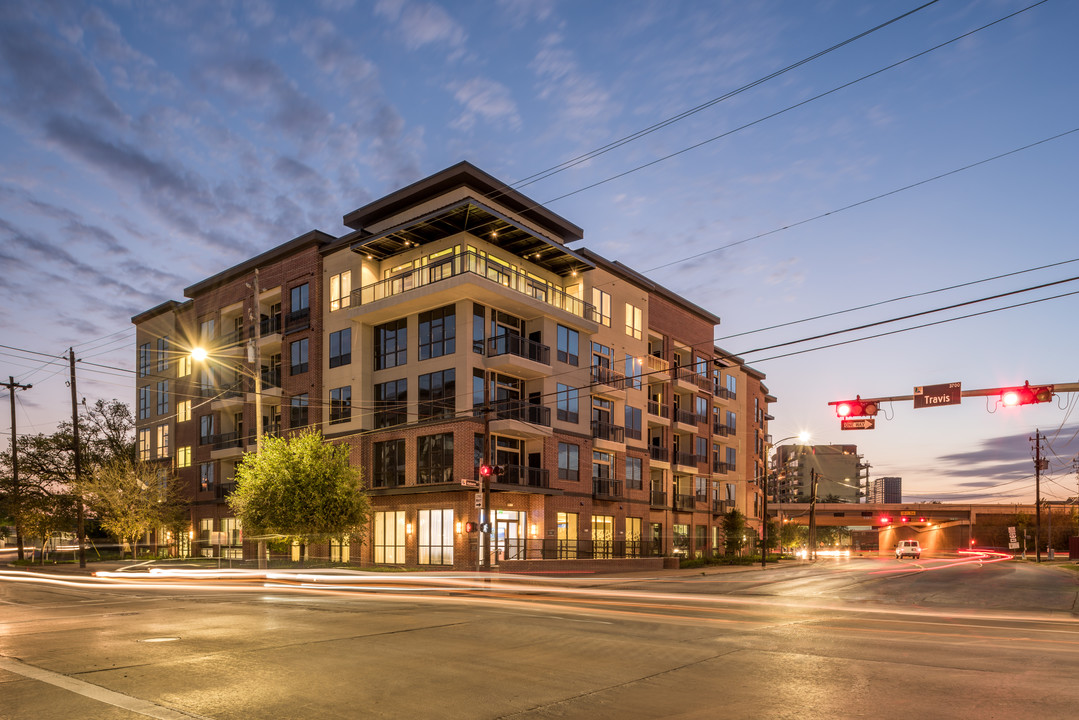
341	404
144	444
732	459
438	332
390	537
436	536
162	441
340	290
299	298
681	539
163	353
568	345
144	359
341	347
567	536
568	462
391	403
634	473
633	321
602	536
389	457
206	476
298	350
298	411
438	391
567	403
391	344
633	537
183	411
634	372
144	403
601	301
634	423
434	458
163	397
183	456
732	422
206	429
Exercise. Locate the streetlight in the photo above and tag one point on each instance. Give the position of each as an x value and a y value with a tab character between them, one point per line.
803	438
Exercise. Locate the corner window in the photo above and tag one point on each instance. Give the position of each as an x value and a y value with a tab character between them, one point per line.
438	332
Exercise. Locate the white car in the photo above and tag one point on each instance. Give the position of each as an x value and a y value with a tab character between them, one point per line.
908	547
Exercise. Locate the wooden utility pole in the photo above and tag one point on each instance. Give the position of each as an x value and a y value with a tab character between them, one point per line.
78	461
11	385
1037	495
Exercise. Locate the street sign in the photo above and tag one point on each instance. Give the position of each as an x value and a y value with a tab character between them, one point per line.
908	512
479	500
859	424
936	395
470	482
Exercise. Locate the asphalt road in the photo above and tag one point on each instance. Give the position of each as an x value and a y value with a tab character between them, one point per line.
873	638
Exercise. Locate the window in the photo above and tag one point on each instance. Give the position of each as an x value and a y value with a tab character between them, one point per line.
144	402
206	331
602	307
162	441
633	537
183	456
391	403
436	536
144	359
633	321
391	344
732	458
390	537
183	366
702	449
602	535
389	459
341	404
298	350
299	298
568	403
702	409
568	462
634	426
567	535
680	539
144	444
634	475
700	488
206	429
438	333
732	385
163	353
731	490
340	290
163	397
477	327
634	372
183	411
298	411
569	342
341	347
434	458
438	392
732	422
206	476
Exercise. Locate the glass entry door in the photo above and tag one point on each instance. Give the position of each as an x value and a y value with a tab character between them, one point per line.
508	536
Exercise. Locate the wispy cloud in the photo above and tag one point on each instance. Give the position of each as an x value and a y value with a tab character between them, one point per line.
485	99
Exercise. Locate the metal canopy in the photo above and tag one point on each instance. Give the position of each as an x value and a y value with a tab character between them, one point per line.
477	219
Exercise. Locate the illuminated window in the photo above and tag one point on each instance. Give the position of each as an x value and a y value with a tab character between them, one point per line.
389	543
633	321
436	537
601	302
183	411
340	290
567	536
144	444
183	456
162	441
633	537
206	476
602	535
183	366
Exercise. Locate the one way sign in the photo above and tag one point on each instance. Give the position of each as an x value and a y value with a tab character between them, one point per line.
859	424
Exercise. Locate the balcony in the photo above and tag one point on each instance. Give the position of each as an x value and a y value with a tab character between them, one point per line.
609	377
224	445
686	376
223	490
658	453
521	410
656	367
518	355
606	489
656	409
522	475
720	467
476	266
687	459
721	507
298	320
659	499
271	378
686	417
270	326
721	429
606	431
685	503
229	339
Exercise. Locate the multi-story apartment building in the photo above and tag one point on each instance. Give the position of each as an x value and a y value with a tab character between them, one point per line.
454	327
885	490
839	470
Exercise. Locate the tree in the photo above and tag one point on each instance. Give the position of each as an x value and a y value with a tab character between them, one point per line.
773	534
300	488
734	531
792	534
129	497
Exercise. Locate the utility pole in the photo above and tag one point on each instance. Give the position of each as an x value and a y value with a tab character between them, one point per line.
11	385
1037	494
813	474
78	461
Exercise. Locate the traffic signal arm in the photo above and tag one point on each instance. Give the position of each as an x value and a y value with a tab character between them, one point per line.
1051	388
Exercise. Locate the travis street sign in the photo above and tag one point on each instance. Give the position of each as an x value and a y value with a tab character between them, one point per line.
934	395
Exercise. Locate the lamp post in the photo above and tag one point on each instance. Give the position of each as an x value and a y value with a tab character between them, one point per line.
802	437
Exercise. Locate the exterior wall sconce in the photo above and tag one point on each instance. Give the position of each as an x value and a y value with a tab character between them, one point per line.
408	528
458	526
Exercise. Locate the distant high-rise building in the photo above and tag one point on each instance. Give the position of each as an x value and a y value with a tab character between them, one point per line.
839	470
886	490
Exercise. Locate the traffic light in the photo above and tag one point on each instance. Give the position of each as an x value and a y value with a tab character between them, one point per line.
1026	395
486	470
856	408
885	520
471	527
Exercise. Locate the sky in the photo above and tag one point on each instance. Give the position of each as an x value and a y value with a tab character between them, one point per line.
814	163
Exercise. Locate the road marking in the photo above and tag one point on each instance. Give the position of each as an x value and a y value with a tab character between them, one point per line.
96	692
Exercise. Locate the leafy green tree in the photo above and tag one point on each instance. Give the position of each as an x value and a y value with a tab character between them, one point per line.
300	488
130	498
792	534
46	515
773	534
734	530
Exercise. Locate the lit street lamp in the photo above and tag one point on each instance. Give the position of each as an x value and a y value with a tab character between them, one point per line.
803	438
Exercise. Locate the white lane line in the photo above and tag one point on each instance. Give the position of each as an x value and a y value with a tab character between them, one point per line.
96	692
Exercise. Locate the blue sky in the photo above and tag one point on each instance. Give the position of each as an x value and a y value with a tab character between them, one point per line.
145	146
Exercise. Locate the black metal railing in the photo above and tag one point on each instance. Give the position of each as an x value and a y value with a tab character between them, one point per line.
684	502
658	409
634	433
271	377
606	488
686	416
721	507
298	320
721	429
519	346
607	431
683	458
522	475
223	441
270	325
659	498
659	453
522	410
719	467
223	490
608	376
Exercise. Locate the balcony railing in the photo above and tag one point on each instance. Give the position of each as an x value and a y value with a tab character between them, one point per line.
270	325
721	507
721	429
222	441
232	338
523	475
659	453
388	480
684	502
606	431
720	467
634	433
271	377
223	490
608	376
519	346
653	364
686	416
658	409
606	488
522	410
659	498
298	320
683	458
470	263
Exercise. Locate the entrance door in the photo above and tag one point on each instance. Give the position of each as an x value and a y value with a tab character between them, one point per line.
507	540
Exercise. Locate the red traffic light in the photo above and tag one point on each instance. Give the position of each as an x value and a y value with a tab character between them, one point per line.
884	520
471	527
486	470
1026	395
856	408
906	519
